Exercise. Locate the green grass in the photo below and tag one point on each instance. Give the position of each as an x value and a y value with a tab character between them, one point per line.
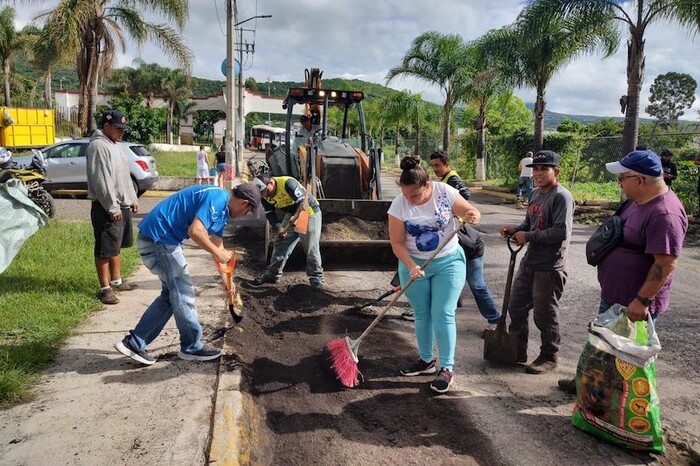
588	191
47	291
176	163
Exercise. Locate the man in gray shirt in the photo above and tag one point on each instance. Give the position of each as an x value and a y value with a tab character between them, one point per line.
539	282
113	200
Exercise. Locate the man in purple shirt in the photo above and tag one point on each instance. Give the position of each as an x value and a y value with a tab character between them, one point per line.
655	225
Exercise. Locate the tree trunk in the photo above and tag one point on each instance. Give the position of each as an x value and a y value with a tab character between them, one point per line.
396	150
447	115
6	72
48	95
481	142
417	146
540	104
169	123
635	76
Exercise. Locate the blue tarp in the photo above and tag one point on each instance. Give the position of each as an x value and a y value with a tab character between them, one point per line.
20	218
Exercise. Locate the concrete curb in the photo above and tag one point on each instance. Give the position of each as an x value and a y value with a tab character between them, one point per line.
228	410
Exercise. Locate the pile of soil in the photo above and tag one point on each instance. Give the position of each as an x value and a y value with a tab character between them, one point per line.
349	228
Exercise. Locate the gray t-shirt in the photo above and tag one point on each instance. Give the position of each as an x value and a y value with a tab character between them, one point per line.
548	225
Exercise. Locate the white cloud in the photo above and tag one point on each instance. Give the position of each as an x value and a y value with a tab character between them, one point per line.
364	38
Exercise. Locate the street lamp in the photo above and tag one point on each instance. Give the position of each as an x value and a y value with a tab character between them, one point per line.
240	125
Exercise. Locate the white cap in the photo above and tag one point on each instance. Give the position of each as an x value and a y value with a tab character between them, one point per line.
5	155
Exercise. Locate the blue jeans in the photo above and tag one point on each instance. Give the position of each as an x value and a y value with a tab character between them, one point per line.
480	290
434	301
524	185
176	298
310	242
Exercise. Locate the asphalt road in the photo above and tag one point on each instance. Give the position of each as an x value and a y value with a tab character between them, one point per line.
523	419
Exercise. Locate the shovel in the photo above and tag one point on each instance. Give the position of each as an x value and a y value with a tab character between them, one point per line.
395	289
499	346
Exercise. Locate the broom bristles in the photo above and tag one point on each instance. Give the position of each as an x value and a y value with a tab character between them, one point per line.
344	362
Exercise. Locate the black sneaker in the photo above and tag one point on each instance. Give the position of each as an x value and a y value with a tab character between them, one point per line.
408	315
125	348
443	381
567	386
418	368
262	280
206	353
541	365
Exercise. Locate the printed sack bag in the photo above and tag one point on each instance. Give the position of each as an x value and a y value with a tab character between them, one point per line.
616	397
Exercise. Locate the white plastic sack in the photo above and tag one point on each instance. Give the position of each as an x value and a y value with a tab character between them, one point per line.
21	218
613	333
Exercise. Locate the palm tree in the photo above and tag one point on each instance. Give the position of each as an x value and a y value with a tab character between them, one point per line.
95	30
11	41
636	16
436	59
175	88
541	42
479	83
403	109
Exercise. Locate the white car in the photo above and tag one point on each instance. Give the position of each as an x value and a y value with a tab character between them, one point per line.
65	165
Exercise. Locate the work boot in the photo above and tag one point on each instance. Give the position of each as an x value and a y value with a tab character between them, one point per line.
567	386
319	286
263	279
107	296
541	365
125	286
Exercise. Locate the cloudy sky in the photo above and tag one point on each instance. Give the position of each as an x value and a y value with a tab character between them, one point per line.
364	38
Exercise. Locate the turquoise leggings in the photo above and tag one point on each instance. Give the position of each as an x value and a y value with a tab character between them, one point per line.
434	301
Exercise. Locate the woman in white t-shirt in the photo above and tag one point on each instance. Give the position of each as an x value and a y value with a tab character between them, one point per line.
419	219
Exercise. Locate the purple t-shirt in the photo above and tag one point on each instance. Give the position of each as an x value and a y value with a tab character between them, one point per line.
657	227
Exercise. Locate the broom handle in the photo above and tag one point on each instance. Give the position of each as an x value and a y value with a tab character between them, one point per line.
355	343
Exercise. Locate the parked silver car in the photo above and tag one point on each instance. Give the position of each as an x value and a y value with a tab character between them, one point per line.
65	165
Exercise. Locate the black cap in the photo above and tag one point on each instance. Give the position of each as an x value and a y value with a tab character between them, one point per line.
116	118
248	192
666	153
545	157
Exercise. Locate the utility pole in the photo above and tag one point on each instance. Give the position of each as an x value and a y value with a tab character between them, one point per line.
231	171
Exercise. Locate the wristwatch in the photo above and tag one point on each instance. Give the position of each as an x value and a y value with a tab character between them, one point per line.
646	301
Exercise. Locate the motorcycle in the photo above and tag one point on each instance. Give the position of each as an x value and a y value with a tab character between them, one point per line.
33	178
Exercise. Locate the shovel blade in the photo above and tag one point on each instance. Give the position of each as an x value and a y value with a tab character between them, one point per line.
500	347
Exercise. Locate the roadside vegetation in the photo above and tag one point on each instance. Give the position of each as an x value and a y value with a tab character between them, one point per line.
47	291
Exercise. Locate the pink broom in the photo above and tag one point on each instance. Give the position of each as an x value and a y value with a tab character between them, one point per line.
343	351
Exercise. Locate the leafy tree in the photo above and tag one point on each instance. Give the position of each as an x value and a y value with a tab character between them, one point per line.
541	42
436	59
403	110
252	84
11	42
145	123
95	31
671	93
175	90
635	16
570	126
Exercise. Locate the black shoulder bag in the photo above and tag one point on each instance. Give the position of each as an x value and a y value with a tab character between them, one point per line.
606	238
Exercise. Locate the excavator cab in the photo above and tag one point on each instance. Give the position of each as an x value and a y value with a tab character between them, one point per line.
326	160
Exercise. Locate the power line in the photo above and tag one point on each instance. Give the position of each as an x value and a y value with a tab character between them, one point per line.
218	19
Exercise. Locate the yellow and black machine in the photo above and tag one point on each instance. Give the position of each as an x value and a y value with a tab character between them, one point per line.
338	164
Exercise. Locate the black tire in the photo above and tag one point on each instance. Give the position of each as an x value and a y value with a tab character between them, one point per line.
136	188
46	202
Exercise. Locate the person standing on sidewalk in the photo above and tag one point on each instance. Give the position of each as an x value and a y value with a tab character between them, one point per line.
420	218
202	167
288	195
220	166
669	168
522	192
113	198
655	225
199	213
539	282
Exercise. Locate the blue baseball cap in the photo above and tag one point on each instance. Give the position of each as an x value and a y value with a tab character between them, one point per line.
645	162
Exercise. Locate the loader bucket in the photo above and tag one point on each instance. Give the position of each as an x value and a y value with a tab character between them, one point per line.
354	237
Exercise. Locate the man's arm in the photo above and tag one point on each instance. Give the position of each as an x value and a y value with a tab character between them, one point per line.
199	234
661	269
270	214
456	182
297	192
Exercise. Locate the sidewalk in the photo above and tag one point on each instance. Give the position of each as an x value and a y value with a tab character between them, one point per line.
95	406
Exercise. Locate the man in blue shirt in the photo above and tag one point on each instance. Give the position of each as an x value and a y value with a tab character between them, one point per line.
199	213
